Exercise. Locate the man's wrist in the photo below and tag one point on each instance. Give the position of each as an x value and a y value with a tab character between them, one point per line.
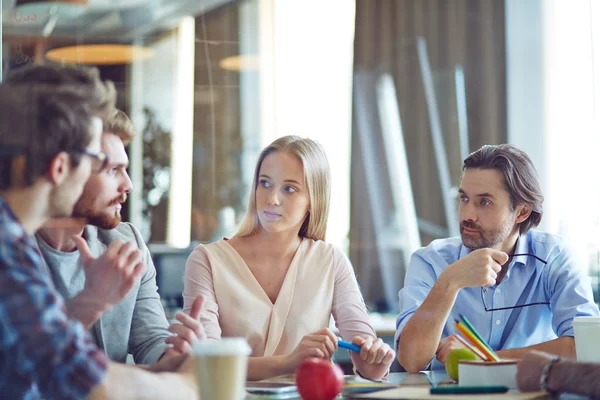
446	282
90	303
546	370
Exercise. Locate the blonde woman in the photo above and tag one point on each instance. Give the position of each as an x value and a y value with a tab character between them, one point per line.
276	282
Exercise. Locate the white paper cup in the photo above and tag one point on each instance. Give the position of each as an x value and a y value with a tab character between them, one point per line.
487	373
587	338
221	367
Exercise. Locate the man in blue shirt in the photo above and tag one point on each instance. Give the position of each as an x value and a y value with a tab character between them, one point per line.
519	288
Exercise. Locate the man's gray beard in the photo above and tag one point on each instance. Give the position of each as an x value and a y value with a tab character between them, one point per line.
481	242
496	237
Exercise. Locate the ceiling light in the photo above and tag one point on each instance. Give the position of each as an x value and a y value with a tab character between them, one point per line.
99	54
244	62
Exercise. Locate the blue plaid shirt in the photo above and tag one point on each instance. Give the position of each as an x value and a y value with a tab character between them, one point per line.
42	352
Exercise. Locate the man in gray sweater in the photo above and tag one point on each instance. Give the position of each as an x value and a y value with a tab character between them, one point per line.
122	311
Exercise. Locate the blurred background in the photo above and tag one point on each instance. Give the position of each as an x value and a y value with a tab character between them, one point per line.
398	91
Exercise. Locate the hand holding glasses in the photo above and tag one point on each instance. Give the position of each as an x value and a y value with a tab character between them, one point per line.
518	306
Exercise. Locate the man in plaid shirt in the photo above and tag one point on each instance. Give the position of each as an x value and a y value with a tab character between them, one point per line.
49	146
38	343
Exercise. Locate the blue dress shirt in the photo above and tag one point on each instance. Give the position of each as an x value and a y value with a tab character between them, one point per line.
562	283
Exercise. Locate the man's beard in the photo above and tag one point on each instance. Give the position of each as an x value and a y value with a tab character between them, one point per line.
103	220
485	239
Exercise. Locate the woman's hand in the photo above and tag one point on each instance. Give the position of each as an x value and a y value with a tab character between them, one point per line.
321	344
374	351
375	357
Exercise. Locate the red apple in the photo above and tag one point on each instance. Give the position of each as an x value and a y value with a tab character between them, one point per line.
318	379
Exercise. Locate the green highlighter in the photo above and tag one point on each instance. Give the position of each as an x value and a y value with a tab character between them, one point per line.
468	389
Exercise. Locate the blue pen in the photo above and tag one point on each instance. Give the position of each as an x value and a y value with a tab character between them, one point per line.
348	346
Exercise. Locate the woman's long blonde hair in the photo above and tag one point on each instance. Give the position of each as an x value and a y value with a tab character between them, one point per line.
317	179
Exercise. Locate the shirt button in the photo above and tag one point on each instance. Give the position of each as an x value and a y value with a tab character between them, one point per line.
497	322
498	290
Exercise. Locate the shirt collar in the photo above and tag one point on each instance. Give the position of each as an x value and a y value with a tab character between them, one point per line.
9	220
11	226
4	207
522	247
464	250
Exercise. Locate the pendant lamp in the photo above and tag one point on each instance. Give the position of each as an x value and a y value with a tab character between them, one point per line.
99	54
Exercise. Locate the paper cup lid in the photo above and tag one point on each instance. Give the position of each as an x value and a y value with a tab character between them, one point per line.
586	320
223	347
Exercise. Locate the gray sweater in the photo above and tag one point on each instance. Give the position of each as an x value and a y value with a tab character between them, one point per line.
137	325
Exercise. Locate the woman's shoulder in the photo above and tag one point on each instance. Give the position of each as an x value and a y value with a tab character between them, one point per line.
217	244
319	245
201	253
326	249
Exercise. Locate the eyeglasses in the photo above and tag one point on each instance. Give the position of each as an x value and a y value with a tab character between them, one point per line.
519	306
100	159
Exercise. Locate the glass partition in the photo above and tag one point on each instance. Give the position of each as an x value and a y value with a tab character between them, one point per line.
398	92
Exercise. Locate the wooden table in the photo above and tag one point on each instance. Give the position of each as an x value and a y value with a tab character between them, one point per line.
421	382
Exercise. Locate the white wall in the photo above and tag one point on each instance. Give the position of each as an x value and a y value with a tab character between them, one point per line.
525	76
307	86
553	69
572	131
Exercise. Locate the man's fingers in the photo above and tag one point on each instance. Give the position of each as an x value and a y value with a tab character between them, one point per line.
183	332
440	345
84	250
122	256
170	352
499	256
113	248
197	307
170	361
134	258
188	321
126	249
451	344
180	345
496	267
138	271
443	354
441	350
